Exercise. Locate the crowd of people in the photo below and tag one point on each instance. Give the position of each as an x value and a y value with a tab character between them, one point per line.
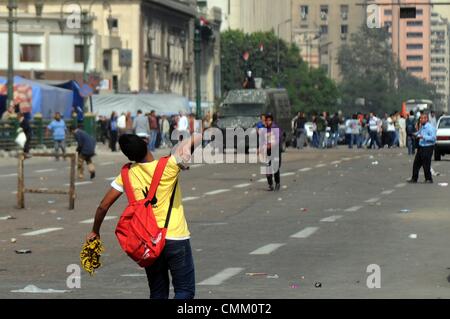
359	130
154	128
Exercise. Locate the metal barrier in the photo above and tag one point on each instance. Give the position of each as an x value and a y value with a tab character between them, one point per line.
21	190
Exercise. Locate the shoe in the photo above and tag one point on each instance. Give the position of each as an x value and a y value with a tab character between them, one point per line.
92	175
277	187
270	188
411	181
429	181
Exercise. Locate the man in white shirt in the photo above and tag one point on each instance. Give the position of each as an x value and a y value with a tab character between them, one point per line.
183	124
374	129
122	123
432	119
402	131
390	131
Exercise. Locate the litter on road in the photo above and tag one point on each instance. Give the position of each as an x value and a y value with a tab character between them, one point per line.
13	240
35	290
7	217
273	276
318	285
253	274
405	211
443	184
413	236
23	251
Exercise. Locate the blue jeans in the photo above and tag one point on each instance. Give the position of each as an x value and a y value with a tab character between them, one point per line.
176	258
152	140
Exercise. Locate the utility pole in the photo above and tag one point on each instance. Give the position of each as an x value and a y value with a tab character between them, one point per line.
198	53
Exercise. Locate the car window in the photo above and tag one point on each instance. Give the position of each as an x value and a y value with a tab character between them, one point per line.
444	123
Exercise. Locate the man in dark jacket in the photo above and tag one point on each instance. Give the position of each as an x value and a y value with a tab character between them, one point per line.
85	150
271	146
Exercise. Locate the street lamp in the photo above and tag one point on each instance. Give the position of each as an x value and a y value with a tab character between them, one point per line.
278	43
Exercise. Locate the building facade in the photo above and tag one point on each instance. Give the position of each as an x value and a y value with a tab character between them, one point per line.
440	54
150	47
321	27
411	38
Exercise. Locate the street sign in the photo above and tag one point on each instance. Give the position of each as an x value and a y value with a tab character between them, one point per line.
125	57
86	90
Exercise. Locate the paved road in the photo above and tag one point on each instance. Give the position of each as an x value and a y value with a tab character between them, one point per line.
337	213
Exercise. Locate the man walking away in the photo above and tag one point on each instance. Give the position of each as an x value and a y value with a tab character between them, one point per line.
141	126
58	128
427	139
373	131
85	150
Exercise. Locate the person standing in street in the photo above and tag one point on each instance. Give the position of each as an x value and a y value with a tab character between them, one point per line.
86	151
113	132
24	124
433	119
374	129
272	147
402	131
122	124
427	139
165	132
58	128
410	133
153	122
300	130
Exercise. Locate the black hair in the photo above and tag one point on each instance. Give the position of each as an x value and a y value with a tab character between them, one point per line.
133	147
269	116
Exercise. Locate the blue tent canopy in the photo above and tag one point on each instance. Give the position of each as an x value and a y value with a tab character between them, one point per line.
47	99
78	101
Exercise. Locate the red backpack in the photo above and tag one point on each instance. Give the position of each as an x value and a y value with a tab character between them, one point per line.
137	230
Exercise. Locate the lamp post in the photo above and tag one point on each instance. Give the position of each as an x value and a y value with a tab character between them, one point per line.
197	53
278	43
86	31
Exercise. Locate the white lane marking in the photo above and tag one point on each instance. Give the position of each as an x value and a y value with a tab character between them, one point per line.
320	165
45	170
41	231
388	192
308	231
336	162
110	178
346	159
220	277
134	275
106	163
353	209
287	174
32	289
213	224
242	185
14	192
331	219
267	249
357	157
218	191
91	220
80	183
187	199
261	180
400	185
197	165
372	200
9	175
305	169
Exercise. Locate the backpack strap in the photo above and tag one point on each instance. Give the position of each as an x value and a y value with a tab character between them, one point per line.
169	212
126	183
157	175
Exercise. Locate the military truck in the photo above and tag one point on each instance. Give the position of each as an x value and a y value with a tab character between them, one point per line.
242	109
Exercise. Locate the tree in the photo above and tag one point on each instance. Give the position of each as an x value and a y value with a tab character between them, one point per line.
308	88
370	71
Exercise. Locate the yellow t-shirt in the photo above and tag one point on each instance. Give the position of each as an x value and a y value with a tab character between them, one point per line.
141	175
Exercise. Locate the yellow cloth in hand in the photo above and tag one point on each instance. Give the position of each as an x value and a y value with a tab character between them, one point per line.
90	255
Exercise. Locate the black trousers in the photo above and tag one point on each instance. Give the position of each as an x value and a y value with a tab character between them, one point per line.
113	141
26	147
423	159
277	160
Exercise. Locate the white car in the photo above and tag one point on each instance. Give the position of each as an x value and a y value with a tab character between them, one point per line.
442	146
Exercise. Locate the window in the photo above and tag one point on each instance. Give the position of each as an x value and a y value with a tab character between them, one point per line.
414	46
304	26
419	12
304	10
344	12
387	12
417	23
414	57
344	29
79	53
323	29
30	53
414	34
323	12
414	69
115	23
